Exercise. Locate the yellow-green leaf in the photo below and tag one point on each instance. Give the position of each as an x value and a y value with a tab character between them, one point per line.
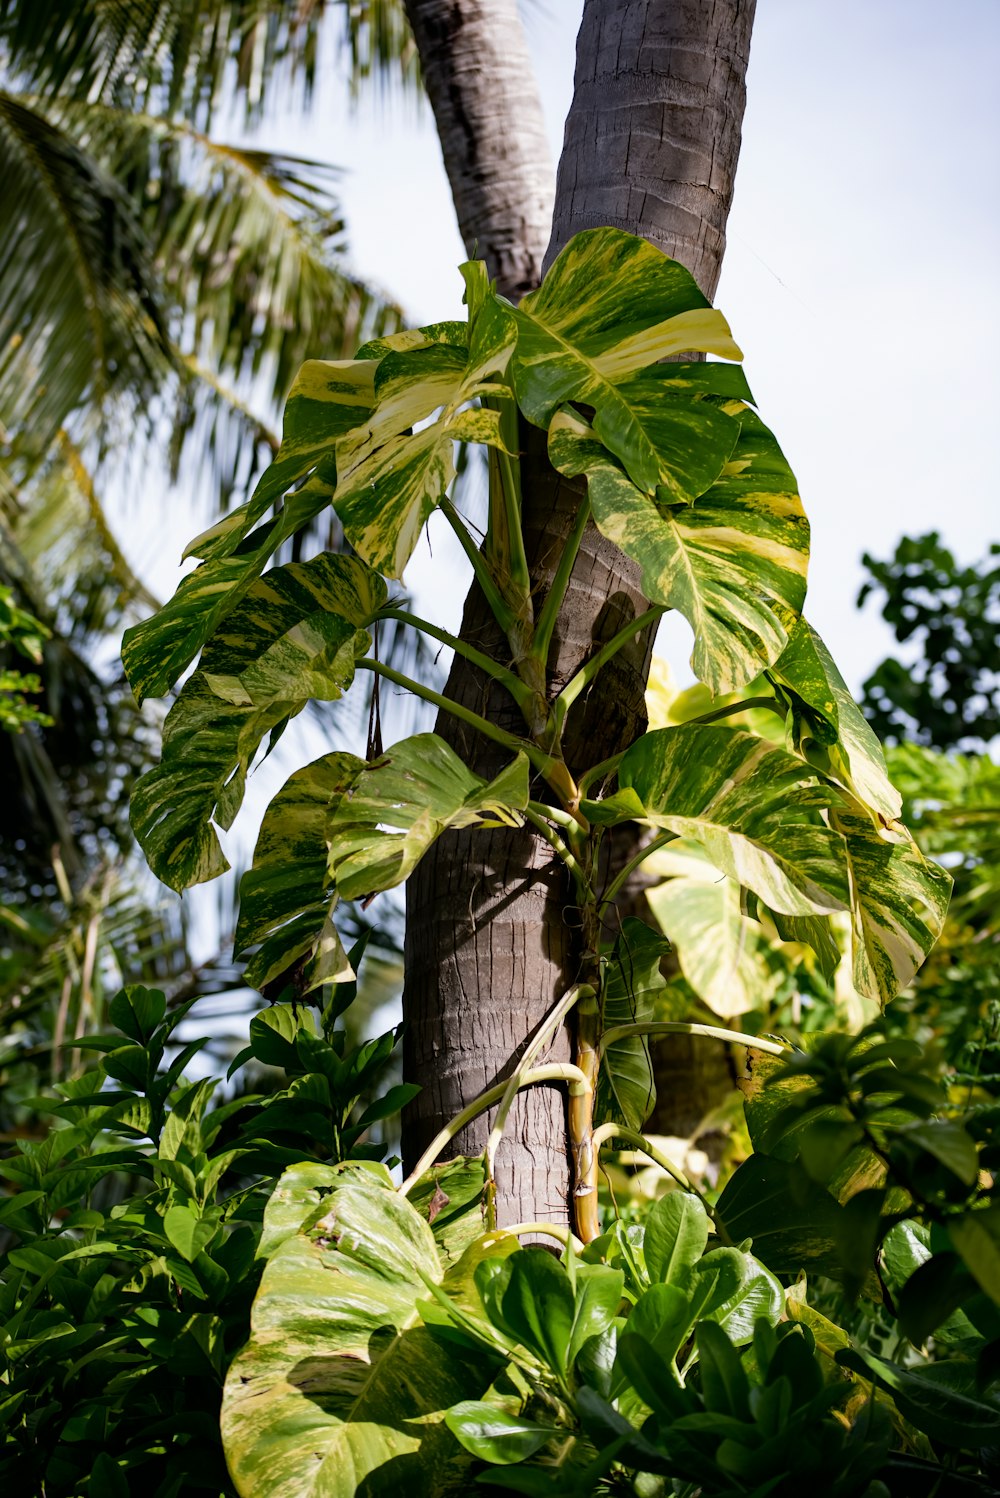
733	563
287	898
340	1390
399	806
754	809
828	727
295	637
610	304
898	905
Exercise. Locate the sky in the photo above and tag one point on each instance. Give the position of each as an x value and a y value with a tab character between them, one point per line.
860	278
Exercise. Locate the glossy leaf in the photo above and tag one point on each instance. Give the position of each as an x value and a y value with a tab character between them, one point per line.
717	946
626	1091
294	638
828	727
326	400
390	479
419	787
662	1318
492	1436
675	1238
287	898
794	1224
940	1399
733	563
340	1388
899	902
609	305
752	807
529	1297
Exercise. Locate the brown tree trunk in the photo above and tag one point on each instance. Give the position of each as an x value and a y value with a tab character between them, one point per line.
651	145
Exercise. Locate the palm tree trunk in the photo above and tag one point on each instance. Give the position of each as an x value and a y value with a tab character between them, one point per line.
651	145
478	76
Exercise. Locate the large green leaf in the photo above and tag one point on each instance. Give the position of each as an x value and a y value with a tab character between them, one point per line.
794	1223
295	637
941	1399
899	902
675	1238
733	563
401	804
157	651
391	479
752	807
610	304
327	399
626	1090
287	898
719	948
340	1390
828	727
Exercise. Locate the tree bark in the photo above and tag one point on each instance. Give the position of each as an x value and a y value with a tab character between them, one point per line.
479	79
651	145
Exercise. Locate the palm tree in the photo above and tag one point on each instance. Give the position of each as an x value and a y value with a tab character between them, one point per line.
651	145
159	287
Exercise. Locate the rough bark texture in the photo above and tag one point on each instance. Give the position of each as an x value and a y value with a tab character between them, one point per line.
480	82
651	146
653	133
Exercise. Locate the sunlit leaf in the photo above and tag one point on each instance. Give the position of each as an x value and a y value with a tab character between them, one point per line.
340	1388
283	646
733	563
752	807
401	804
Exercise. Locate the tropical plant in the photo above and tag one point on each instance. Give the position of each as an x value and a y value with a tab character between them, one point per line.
158	284
675	457
129	1234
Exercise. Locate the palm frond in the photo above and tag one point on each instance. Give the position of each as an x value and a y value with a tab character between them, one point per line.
181	57
80	315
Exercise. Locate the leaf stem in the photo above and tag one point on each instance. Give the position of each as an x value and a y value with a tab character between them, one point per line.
501	611
543	1035
681	1027
653	846
637	1142
549	1230
521	694
537	816
542	640
556	1071
766	704
599	771
510	741
596	664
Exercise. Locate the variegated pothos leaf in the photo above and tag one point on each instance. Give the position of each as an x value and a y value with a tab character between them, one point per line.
391	478
609	305
287	898
401	804
827	727
717	946
733	562
753	808
899	902
341	1389
295	637
626	1088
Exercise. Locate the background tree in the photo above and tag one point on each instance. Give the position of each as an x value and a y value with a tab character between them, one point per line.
948	695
